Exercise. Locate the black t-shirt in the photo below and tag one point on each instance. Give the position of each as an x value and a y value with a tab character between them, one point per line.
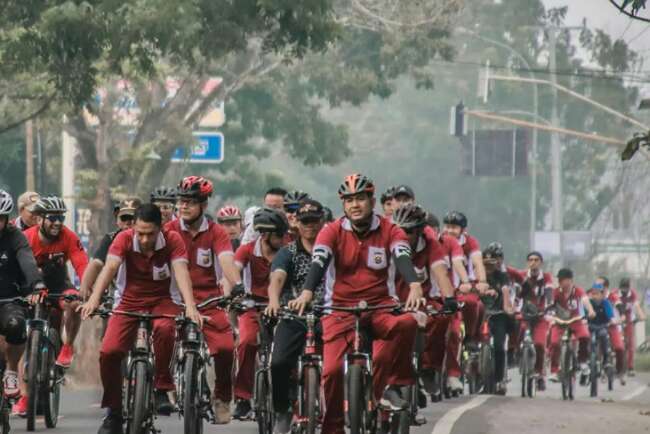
18	270
294	260
497	280
104	245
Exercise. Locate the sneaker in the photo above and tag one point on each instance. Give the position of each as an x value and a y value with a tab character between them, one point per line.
501	388
163	406
454	384
621	378
428	381
422	398
221	411
392	399
541	384
65	356
584	374
282	422
553	378
10	384
112	424
243	410
20	408
631	373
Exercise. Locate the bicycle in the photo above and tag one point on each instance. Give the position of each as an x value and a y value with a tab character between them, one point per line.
309	374
568	357
262	392
527	352
189	368
487	364
361	412
42	375
600	361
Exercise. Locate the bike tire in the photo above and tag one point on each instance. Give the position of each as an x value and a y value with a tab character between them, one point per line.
312	398
192	418
5	413
356	400
50	384
565	372
486	371
610	378
263	409
139	403
523	372
594	375
33	378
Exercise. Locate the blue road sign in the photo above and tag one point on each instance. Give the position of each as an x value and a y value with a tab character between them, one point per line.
208	148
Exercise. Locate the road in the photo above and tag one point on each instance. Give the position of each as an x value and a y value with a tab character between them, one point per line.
620	411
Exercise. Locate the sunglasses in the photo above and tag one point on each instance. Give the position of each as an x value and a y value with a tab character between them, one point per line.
126	218
53	218
292	208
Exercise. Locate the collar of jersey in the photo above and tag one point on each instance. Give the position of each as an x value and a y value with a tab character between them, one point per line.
540	276
160	242
202	228
347	224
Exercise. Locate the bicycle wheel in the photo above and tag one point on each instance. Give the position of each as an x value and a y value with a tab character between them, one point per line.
523	371
192	418
486	371
263	411
565	371
356	400
311	390
51	381
5	412
594	375
32	377
140	385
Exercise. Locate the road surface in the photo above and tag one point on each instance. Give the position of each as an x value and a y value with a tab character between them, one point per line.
621	411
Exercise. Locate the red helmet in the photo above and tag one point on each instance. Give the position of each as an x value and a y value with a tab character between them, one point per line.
356	183
196	187
228	213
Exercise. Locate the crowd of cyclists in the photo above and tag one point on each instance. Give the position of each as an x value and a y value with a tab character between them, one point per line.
167	256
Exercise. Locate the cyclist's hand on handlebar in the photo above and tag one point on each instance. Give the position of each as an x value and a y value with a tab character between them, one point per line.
465	287
192	313
491	293
38	296
415	299
88	308
299	304
482	287
273	308
450	304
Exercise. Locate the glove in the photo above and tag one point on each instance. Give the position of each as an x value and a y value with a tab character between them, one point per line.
238	290
450	304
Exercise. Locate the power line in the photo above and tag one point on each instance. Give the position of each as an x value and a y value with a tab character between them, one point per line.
638	36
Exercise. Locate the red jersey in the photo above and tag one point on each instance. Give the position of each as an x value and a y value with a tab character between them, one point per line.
471	248
570	300
257	269
452	251
534	289
628	299
359	266
514	275
204	250
427	253
142	281
52	257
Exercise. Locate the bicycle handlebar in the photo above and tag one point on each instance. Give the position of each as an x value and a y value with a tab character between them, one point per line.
143	315
361	307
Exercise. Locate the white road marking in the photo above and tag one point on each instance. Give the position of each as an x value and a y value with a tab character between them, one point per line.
446	423
638	391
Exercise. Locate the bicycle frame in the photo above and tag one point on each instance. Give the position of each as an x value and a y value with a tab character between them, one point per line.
309	358
141	351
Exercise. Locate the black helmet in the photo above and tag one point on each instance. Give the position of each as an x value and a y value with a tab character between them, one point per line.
409	216
495	250
624	283
270	220
328	216
50	205
455	218
292	200
433	221
387	195
355	184
164	193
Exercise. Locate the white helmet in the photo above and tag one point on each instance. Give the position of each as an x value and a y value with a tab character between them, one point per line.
6	203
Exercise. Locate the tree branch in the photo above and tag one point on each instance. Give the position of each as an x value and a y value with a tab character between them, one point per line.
629	14
31	116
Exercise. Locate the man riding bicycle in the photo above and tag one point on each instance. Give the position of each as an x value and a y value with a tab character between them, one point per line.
355	252
632	311
230	218
210	258
145	259
615	328
165	199
288	272
26	218
19	277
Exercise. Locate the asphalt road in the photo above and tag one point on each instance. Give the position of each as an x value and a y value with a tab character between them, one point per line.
621	411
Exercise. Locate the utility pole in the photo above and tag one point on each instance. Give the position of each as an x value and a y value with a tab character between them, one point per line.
556	148
29	156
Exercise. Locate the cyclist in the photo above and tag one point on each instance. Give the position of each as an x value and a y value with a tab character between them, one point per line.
401	195
124	220
165	199
537	290
210	257
615	335
454	259
19	276
356	250
288	272
146	258
632	309
229	217
386	201
273	198
328	216
26	218
292	202
255	258
430	265
456	226
575	300
604	319
498	295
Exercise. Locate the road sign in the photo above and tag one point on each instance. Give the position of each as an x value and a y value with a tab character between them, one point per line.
208	148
